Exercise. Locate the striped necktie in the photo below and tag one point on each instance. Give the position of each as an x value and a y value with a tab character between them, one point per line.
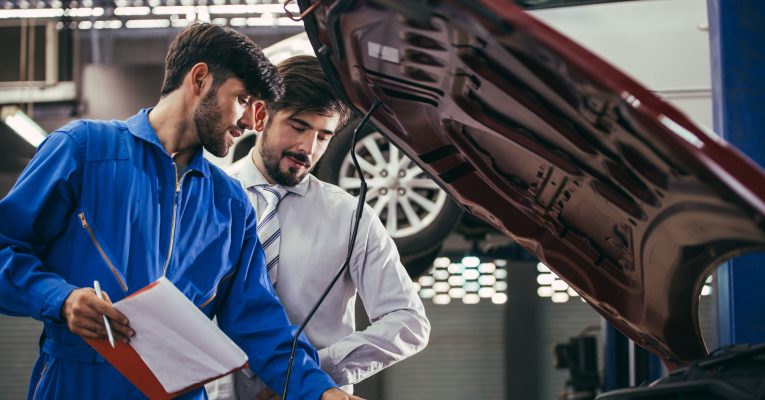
268	227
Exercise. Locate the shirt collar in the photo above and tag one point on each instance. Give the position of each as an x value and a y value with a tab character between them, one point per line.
140	127
251	176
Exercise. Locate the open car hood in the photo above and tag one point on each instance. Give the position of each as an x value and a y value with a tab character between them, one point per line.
616	191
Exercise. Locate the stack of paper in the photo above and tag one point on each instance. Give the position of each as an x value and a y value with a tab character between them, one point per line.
176	348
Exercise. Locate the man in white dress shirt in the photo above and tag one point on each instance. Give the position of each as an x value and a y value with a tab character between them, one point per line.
315	224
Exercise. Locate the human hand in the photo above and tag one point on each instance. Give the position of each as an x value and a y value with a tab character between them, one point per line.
337	394
83	312
267	394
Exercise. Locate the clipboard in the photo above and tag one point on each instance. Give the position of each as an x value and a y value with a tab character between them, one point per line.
199	352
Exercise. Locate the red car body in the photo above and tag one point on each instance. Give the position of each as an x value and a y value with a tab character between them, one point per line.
618	192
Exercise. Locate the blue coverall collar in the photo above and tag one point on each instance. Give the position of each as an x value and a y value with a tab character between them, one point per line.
140	127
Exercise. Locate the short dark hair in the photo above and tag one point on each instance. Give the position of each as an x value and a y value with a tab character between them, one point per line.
306	88
228	54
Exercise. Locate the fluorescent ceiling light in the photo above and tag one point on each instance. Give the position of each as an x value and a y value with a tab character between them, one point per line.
284	21
238	21
147	23
247	9
84	12
32	13
132	11
23	126
180	23
172	10
112	24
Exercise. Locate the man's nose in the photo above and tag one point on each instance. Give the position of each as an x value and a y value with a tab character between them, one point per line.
309	142
247	120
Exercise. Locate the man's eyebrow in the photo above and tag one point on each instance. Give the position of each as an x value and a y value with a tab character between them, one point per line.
308	126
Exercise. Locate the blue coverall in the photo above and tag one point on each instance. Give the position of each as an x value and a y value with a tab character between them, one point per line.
101	201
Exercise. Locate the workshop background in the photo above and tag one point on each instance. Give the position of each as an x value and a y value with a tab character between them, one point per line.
497	313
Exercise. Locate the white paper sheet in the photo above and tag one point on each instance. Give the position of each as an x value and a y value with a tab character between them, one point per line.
178	343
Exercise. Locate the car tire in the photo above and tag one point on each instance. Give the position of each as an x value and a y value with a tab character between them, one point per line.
414	239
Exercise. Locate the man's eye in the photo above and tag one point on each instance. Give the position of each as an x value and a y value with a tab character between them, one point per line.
243	100
297	128
325	138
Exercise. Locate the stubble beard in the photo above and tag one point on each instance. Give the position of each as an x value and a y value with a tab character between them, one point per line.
207	120
271	161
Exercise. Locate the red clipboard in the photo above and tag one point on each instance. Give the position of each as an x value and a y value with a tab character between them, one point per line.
130	364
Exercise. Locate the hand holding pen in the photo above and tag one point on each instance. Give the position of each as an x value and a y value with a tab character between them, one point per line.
100	295
84	313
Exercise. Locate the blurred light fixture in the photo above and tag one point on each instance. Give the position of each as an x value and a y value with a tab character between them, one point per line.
486	293
127	11
238	21
471	299
23	125
487	280
545	279
147	23
84	12
499	298
472	286
442	262
456	280
471	283
241	9
441	274
471	274
487	268
426	280
180	23
470	261
559	297
172	10
32	13
559	285
455	268
441	287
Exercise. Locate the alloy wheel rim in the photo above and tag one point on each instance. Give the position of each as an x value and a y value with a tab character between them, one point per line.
399	192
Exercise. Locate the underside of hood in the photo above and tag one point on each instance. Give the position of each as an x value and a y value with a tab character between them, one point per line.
616	191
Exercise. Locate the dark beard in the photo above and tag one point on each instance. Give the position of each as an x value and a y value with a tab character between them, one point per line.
207	120
287	178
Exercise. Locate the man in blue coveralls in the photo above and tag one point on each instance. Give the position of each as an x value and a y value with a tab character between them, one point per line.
127	202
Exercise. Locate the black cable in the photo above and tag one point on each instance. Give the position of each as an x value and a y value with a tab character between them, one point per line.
341	271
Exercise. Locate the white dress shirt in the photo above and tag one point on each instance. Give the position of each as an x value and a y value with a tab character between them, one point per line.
316	219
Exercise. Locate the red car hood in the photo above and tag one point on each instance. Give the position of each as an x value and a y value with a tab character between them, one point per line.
615	190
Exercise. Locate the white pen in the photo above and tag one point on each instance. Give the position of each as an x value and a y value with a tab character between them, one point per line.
100	295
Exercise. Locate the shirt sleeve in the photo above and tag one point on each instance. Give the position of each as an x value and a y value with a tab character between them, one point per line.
31	215
254	319
399	326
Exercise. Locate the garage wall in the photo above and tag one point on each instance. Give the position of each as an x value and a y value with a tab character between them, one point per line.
464	360
18	351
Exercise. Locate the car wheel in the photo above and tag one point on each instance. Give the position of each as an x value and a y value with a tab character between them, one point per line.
416	212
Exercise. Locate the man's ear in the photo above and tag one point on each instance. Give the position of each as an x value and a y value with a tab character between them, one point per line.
199	77
261	114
